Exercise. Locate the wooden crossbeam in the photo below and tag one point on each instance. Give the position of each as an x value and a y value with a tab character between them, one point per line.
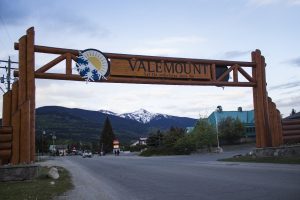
221	78
51	63
245	74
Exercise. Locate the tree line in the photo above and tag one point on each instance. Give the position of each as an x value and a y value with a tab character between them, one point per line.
204	136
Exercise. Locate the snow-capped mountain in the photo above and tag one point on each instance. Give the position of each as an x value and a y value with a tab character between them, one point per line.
157	120
108	112
142	116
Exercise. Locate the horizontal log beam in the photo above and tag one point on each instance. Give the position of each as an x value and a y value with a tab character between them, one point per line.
290	122
5	153
54	50
291	127
291	132
5	130
5	138
133	80
5	145
291	137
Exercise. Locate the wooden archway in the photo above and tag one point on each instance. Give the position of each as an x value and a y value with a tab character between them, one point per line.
17	135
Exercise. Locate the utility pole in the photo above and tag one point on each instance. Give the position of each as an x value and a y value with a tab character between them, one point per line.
8	69
8	74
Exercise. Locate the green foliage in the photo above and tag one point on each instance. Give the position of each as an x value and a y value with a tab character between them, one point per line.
169	143
185	145
158	151
230	130
172	136
155	139
107	137
204	134
177	142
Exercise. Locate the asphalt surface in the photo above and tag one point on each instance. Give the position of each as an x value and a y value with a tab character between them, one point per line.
196	177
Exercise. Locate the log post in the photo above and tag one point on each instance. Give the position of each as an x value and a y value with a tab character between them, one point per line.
279	124
31	88
23	105
15	113
25	133
260	101
6	109
273	122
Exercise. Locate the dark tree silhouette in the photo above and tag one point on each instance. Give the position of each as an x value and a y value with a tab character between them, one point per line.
107	137
293	112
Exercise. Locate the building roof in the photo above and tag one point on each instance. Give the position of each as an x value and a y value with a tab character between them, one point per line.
294	116
245	117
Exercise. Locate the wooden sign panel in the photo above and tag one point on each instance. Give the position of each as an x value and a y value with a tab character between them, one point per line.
159	69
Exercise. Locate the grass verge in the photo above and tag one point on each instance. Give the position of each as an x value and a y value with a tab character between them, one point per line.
39	188
279	160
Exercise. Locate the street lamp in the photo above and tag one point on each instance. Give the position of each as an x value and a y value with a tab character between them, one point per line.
43	134
219	149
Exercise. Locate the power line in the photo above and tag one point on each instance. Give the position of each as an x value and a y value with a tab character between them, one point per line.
5	28
7	80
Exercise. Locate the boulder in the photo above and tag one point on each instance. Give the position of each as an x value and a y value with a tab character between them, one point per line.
53	173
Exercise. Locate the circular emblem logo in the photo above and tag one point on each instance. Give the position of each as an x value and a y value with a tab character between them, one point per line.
92	65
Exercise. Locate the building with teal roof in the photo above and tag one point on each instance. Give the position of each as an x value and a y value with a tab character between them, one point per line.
246	117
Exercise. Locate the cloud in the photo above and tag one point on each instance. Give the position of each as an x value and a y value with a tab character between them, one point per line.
155	51
272	2
235	54
286	85
294	2
11	12
289	102
175	40
55	14
295	61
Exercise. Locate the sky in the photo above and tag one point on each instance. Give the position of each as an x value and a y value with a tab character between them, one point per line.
205	29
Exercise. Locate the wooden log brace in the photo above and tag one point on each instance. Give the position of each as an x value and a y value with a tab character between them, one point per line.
221	78
51	64
235	73
245	74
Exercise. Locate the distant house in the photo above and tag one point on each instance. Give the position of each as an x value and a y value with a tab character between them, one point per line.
246	117
61	149
294	116
141	141
189	129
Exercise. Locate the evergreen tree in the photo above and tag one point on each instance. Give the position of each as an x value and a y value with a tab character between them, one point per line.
293	112
204	134
107	137
231	129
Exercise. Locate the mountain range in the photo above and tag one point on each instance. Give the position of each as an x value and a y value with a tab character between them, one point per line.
86	125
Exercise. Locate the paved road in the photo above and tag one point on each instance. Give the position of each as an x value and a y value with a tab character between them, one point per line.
179	177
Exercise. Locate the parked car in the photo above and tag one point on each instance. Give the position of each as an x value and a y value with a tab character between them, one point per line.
87	154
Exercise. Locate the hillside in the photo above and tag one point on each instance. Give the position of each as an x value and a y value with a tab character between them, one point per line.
85	125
